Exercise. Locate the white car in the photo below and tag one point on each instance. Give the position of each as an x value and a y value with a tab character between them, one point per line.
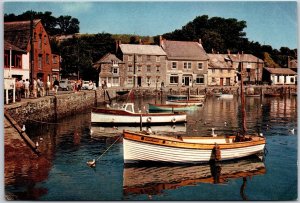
86	85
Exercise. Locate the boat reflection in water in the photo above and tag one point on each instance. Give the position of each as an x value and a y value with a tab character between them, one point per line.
151	180
105	131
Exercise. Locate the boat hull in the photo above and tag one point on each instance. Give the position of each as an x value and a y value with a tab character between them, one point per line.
185	102
152	149
153	107
112	117
185	97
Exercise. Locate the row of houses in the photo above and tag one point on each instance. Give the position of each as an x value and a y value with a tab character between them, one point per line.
171	63
182	63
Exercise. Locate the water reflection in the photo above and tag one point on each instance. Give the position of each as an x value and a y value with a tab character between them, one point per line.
152	180
98	131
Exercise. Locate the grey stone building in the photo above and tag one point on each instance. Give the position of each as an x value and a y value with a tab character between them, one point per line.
145	65
187	63
111	71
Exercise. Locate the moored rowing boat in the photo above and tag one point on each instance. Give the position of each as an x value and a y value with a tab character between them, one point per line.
145	147
171	107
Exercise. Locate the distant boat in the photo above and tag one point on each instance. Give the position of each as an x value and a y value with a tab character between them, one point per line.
155	179
272	94
252	95
171	107
122	92
185	102
185	97
147	147
126	116
224	96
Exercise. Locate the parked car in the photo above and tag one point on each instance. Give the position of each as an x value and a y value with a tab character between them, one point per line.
87	85
65	85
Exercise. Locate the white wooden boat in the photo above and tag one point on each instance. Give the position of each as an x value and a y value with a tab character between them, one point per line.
146	147
145	179
185	102
127	116
171	107
185	97
224	96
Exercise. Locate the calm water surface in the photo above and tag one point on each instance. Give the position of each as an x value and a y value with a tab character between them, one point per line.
67	147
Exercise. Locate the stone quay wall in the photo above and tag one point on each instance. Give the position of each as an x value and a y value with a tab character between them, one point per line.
51	108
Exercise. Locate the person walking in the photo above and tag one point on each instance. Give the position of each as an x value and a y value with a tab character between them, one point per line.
26	87
55	84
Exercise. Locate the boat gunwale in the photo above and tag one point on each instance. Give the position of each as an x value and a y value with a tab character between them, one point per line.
126	113
179	143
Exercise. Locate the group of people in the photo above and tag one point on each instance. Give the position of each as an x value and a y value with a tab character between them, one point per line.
24	89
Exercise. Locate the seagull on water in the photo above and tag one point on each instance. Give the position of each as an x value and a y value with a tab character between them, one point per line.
91	163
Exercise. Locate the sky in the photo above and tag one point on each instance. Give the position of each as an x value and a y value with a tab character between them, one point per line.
272	23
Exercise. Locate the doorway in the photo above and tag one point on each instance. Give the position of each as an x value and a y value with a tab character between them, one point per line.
221	81
186	80
139	81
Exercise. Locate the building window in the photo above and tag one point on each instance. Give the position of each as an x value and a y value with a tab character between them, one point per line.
174	65
115	70
157	58
47	59
139	68
115	81
200	79
200	66
18	63
139	57
213	79
148	58
129	57
40	62
54	60
148	68
174	79
129	80
157	68
130	68
292	79
6	60
40	42
187	65
213	70
278	78
148	80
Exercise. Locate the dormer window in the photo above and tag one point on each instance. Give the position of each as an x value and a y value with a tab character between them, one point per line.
115	63
115	70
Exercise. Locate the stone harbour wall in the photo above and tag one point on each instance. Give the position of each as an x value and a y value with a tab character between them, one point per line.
51	108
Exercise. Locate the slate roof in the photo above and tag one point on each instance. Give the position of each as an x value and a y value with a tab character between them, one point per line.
142	49
184	50
8	46
18	33
219	61
108	58
281	71
245	58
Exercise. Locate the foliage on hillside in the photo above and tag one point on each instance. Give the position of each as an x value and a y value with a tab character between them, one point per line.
54	26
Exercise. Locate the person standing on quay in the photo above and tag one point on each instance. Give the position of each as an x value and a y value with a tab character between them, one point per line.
47	87
56	84
42	89
26	86
34	88
18	89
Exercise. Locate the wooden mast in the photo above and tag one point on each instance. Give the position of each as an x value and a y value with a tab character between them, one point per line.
244	129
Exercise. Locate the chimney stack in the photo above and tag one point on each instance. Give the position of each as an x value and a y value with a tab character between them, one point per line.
118	43
160	40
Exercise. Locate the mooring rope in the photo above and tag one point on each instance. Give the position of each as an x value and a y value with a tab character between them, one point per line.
108	148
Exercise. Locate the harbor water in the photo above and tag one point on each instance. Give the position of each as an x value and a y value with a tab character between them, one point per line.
62	173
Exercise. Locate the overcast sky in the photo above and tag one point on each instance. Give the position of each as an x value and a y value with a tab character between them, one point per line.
271	22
